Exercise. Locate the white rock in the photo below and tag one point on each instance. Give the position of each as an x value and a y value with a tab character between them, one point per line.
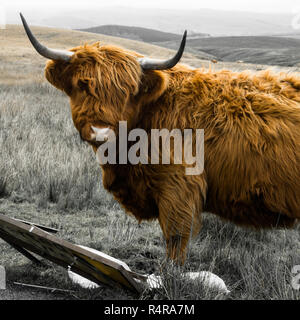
209	280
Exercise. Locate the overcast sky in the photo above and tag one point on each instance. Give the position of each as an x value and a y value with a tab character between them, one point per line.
280	6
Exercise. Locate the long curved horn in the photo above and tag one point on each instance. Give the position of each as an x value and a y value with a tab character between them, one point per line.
154	64
53	54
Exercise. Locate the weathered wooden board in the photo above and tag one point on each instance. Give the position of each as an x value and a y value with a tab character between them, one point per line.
91	264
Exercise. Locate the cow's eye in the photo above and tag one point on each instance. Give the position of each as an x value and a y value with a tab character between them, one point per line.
83	85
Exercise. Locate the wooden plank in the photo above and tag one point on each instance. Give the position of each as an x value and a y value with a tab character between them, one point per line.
89	263
47	229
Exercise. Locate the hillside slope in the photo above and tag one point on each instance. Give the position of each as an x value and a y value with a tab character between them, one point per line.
134	33
251	49
268	50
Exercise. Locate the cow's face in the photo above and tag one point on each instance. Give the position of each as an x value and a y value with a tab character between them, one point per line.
101	81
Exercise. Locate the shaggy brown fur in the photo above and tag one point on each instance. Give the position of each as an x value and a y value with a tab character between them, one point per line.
252	139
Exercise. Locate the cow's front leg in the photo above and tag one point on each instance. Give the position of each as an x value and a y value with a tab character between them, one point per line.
180	205
178	231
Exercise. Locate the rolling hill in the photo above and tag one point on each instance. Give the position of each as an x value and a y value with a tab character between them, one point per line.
265	50
160	38
134	33
268	50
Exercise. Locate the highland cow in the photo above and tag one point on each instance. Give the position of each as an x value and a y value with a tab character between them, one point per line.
252	136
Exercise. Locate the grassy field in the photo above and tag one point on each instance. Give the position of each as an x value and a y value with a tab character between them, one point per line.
49	176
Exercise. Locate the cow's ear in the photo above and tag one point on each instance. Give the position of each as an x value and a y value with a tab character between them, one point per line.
153	85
